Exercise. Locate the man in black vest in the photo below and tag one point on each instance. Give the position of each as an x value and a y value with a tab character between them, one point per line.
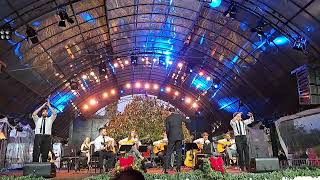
239	129
173	124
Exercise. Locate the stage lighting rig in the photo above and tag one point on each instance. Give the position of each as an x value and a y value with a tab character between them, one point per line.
300	44
62	13
32	35
231	11
259	28
6	32
134	59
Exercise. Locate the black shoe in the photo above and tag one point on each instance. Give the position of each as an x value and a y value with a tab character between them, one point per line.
178	170
165	171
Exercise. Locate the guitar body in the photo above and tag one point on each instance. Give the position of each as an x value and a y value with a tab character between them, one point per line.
190	160
159	148
221	146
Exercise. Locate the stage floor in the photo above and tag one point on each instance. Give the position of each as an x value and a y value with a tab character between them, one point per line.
84	173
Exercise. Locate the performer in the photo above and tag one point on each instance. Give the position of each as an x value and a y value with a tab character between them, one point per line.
173	124
227	146
159	147
133	140
239	129
103	147
204	144
42	140
85	149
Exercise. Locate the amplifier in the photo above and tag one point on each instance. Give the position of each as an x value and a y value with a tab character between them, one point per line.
37	169
264	164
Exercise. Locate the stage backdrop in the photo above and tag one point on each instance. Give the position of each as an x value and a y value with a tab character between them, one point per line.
142	113
299	134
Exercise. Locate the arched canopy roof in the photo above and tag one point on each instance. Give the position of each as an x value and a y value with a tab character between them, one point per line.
242	66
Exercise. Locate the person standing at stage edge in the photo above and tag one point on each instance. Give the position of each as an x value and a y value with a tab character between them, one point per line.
239	129
173	124
42	140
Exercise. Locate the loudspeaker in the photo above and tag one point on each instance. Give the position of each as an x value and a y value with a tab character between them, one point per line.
264	164
44	169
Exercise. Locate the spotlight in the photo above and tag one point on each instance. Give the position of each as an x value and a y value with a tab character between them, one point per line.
103	69
92	73
113	91
162	61
126	62
194	105
201	73
74	85
138	85
180	65
155	86
62	13
231	11
168	89
259	28
176	93
6	32
146	86
300	44
84	76
115	65
134	59
85	107
128	85
188	100
32	35
105	95
93	102
208	78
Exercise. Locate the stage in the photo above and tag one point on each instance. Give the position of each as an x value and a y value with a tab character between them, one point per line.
84	173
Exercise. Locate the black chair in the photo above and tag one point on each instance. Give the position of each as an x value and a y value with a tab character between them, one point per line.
94	159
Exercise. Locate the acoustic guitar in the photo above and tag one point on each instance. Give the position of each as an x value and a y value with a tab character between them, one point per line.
221	146
158	148
109	147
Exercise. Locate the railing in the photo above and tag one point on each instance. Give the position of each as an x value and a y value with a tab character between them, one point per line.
299	163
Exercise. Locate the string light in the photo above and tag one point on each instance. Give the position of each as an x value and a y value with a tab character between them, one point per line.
146	86
85	107
128	85
93	102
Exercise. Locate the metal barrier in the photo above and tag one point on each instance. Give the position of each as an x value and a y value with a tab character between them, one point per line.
299	163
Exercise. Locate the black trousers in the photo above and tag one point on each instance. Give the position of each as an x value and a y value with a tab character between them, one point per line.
42	145
243	151
177	146
107	155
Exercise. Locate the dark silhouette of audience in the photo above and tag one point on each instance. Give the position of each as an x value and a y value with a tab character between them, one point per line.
129	174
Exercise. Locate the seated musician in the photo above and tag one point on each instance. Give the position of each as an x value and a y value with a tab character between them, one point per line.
204	144
227	147
85	149
104	147
133	140
159	147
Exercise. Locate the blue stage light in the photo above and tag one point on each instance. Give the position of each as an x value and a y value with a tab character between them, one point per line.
215	3
86	16
161	90
280	40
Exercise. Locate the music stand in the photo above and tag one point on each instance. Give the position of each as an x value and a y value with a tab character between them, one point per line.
191	146
143	148
125	148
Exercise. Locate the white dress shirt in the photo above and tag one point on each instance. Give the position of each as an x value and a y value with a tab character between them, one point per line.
201	141
48	124
156	143
98	142
239	127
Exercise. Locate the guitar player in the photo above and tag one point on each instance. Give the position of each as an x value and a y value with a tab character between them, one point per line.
104	147
227	146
